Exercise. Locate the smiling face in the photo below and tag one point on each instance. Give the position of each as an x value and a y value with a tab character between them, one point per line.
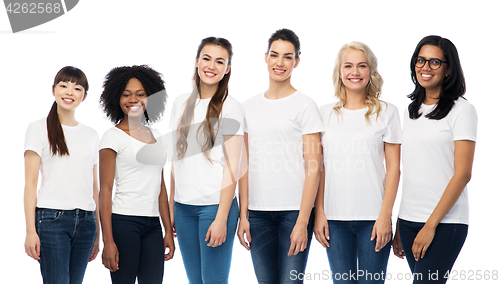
68	95
212	64
133	100
281	60
355	71
428	78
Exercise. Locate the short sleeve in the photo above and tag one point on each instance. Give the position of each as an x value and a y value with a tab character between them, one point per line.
311	119
233	119
245	126
34	138
393	131
173	116
96	148
110	141
465	124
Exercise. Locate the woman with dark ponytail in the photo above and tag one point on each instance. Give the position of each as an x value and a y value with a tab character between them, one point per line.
61	223
209	137
282	134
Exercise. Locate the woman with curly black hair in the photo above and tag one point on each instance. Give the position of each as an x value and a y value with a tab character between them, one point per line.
133	154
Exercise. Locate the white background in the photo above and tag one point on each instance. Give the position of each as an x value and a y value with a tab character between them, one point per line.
98	35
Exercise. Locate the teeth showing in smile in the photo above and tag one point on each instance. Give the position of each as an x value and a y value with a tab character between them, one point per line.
279	71
67	100
134	108
354	80
210	74
427	76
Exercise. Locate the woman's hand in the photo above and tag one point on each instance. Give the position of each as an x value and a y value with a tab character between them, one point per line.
172	221
95	248
298	239
382	231
110	257
422	242
216	233
321	230
32	245
168	242
397	247
244	228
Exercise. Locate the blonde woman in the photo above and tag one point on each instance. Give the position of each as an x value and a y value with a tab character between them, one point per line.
357	191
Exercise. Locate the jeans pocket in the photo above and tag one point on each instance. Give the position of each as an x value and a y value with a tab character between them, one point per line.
48	215
91	216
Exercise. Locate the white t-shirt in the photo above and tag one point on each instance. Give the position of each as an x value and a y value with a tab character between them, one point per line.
197	180
67	181
354	160
428	161
137	172
276	147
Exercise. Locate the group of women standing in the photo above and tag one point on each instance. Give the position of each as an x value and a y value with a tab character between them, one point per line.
333	171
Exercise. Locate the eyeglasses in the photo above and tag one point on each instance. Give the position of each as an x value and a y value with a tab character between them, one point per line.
434	63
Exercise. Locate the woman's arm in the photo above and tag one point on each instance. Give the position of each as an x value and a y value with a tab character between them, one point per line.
312	159
464	156
168	239
31	168
107	163
95	248
397	247
321	231
244	225
382	230
172	200
216	233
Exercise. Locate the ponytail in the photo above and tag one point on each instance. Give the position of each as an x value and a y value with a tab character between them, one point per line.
55	133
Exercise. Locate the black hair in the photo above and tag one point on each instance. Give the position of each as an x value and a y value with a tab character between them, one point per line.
55	133
285	35
453	86
116	81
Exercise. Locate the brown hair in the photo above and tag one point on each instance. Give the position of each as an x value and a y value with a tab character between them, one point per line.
214	107
55	132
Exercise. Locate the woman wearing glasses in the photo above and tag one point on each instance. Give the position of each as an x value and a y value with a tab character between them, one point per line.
438	145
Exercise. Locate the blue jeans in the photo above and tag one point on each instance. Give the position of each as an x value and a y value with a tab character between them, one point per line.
270	231
66	240
352	255
139	241
204	264
441	254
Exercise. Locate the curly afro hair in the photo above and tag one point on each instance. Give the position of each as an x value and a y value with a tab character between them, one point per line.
116	81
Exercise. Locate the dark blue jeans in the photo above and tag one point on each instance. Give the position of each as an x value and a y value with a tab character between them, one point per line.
352	255
270	231
204	264
140	246
66	240
440	255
